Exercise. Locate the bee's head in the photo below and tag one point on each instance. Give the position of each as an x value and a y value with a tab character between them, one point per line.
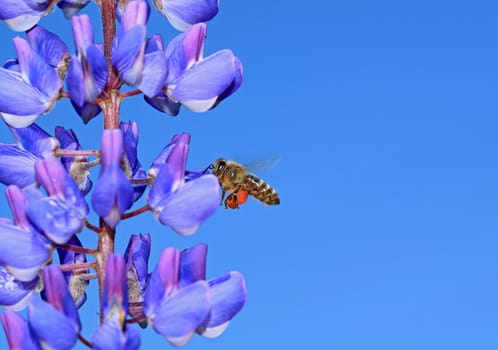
219	166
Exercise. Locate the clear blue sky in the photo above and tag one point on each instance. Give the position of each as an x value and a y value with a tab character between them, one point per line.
385	114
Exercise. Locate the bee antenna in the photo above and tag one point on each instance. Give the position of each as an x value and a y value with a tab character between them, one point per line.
211	166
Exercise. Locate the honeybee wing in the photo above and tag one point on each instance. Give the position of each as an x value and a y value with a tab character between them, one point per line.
263	164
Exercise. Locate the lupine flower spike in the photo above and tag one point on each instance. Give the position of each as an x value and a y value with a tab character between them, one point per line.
68	203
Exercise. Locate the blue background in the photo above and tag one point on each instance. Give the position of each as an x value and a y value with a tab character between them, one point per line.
385	116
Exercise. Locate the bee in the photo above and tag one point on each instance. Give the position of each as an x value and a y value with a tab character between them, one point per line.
235	178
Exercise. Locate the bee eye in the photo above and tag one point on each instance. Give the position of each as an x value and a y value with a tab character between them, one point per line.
220	167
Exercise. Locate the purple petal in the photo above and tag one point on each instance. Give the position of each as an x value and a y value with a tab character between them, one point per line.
82	32
75	81
185	50
193	265
17	167
154	44
37	71
136	13
18	97
75	166
131	165
115	295
15	294
87	74
127	57
199	88
22	253
182	13
137	258
228	296
109	336
12	64
48	45
112	147
162	157
182	313
77	285
50	173
22	15
71	7
87	112
172	171
52	216
193	203
19	336
161	189
112	195
19	121
194	174
57	295
97	64
163	103
46	321
163	281
177	159
35	140
153	74
17	202
130	142
235	84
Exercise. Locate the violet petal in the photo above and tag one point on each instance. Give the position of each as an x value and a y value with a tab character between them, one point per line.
193	203
182	313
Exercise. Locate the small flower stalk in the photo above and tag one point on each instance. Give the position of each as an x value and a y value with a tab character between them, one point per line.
62	195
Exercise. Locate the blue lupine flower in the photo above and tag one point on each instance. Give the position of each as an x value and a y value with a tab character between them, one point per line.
76	284
155	67
179	204
56	316
19	335
113	193
71	7
24	251
75	166
197	83
20	15
30	88
183	13
175	313
87	75
15	294
132	167
50	47
228	292
61	214
179	280
114	333
161	158
138	62
177	299
137	259
17	161
129	43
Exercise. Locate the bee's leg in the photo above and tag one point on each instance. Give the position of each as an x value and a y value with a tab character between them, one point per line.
226	200
234	194
223	192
